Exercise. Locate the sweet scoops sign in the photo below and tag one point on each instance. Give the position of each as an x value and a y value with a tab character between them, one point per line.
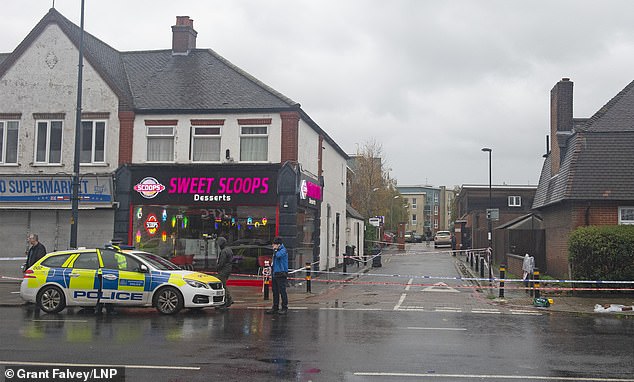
252	185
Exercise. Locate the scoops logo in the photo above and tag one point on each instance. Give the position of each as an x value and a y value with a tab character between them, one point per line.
151	224
149	187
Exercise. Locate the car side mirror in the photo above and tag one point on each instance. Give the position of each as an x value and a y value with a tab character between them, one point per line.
144	269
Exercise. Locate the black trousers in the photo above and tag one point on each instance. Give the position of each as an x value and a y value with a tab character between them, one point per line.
278	285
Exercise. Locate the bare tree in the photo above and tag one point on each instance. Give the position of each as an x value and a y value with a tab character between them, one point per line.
371	190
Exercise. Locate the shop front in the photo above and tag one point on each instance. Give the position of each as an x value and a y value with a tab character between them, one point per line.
178	211
41	204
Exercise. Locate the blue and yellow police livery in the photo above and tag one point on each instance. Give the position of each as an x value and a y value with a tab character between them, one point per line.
87	277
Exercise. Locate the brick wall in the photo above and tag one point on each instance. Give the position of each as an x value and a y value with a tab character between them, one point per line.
290	137
561	220
126	127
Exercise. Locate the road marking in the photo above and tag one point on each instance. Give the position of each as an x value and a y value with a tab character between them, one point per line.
491	376
409	284
400	301
448	309
57	321
485	311
99	365
420	328
525	312
440	287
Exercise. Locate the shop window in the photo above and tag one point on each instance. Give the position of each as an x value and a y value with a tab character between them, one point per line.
93	140
48	142
205	144
160	143
9	141
254	143
187	235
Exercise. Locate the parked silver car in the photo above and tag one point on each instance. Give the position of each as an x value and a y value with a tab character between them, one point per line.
442	239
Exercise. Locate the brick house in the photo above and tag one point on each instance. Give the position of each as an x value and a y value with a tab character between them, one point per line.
177	145
586	178
472	202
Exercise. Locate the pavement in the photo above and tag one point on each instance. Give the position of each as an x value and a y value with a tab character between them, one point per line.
324	284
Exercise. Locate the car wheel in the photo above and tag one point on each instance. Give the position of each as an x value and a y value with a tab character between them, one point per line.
168	300
51	299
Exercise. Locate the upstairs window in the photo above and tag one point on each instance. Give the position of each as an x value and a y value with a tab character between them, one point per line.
48	142
254	143
9	141
160	143
413	203
205	144
626	215
515	201
93	140
436	210
414	219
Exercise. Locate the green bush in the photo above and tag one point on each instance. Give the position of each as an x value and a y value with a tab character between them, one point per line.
602	253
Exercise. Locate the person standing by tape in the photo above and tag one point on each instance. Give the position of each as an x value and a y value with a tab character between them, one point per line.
225	265
280	278
35	252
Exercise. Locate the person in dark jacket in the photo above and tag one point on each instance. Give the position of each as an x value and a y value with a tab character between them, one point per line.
225	259
280	277
35	252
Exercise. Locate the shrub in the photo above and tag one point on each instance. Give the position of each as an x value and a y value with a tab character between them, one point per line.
602	253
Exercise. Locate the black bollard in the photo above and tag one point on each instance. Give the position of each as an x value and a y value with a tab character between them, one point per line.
536	282
482	267
308	286
502	276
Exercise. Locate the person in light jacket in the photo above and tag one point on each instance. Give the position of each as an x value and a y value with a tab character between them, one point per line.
280	278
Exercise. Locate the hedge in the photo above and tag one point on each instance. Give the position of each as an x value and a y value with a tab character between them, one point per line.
602	253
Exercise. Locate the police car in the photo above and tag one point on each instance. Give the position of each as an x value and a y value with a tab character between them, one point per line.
87	277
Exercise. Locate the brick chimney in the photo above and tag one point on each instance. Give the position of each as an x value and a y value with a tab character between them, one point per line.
183	35
560	121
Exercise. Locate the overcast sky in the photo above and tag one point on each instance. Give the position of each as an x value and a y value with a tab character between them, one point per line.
432	81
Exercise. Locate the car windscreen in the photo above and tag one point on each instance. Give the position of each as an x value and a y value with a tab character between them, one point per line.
158	262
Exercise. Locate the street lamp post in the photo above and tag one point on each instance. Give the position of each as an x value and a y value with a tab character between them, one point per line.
392	212
489	218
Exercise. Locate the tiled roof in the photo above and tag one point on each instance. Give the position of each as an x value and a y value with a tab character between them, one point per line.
159	82
201	80
599	160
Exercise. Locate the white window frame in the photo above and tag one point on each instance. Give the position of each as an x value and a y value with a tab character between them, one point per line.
414	221
48	142
435	223
515	201
93	143
160	133
5	126
413	203
206	133
245	136
629	218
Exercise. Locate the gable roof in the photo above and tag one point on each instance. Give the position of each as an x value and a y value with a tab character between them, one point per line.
599	161
160	82
105	59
